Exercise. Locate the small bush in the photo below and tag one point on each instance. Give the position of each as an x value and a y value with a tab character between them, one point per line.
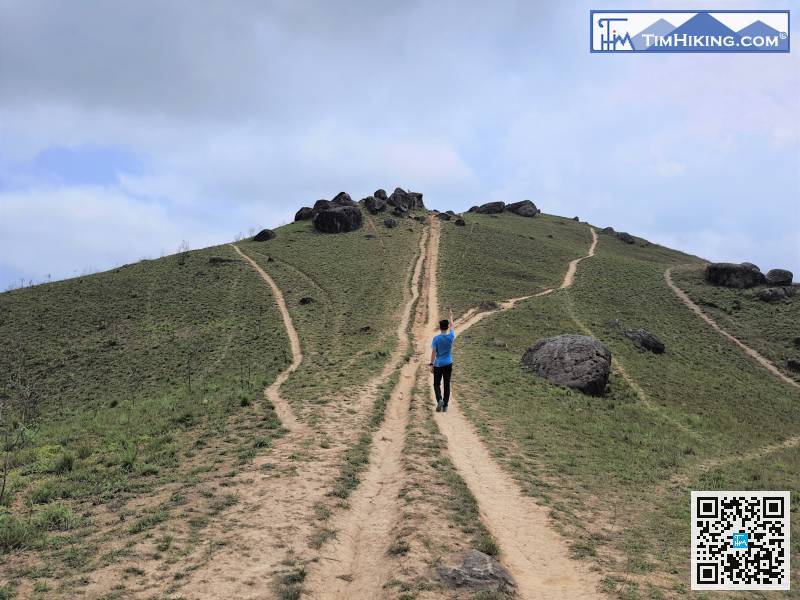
127	458
47	491
63	463
83	450
17	534
148	521
56	517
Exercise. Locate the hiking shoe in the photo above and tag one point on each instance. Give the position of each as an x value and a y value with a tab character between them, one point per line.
439	406
444	408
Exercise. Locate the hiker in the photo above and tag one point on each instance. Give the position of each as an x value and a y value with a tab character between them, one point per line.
442	361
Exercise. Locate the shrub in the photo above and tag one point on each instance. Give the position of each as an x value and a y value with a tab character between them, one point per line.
56	517
16	533
63	463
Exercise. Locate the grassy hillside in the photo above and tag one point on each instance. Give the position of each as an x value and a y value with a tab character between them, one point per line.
617	470
768	328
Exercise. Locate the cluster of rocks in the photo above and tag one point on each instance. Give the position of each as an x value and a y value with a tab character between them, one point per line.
401	202
622	236
524	208
747	275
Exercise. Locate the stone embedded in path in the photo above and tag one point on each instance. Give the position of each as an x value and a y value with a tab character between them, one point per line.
338	220
779	277
733	275
304	214
265	235
475	570
645	340
575	361
525	208
488	305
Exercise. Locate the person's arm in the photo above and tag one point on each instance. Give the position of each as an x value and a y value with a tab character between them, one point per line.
452	322
433	358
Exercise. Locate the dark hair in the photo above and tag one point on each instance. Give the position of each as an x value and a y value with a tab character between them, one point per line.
444	324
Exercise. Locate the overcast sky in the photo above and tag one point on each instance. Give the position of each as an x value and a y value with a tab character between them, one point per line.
129	127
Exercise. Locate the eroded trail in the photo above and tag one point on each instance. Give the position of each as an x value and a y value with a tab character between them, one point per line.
534	553
285	413
761	360
354	565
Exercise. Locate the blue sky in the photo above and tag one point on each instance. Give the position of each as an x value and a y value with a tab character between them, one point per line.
127	130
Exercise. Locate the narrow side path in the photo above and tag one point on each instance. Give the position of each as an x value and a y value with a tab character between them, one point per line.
282	408
537	556
355	563
761	360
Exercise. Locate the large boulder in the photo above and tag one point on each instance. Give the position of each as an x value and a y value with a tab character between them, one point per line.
374	204
733	275
525	208
645	340
576	361
460	222
473	209
406	200
322	205
390	223
443	217
342	199
608	230
622	236
490	208
779	277
338	220
421	218
773	294
415	201
264	235
793	365
400	212
475	570
304	214
380	194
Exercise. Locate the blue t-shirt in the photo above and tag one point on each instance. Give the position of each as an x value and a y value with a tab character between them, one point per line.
443	344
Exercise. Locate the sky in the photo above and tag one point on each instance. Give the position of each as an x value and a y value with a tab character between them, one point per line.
130	128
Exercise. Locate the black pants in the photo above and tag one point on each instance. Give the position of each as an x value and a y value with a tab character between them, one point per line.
438	373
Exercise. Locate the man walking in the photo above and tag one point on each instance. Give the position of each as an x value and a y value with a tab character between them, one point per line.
442	361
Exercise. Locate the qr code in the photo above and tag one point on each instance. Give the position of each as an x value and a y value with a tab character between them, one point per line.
740	540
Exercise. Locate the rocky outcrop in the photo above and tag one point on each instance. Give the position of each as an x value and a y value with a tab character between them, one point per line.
304	214
473	209
380	194
460	222
400	212
779	277
338	220
374	204
406	200
390	223
490	208
625	237
733	275
576	361
475	570
645	340
443	217
343	199
774	294
322	205
525	208
608	230
265	235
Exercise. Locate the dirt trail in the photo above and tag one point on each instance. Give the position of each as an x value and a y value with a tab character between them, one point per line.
355	565
747	349
569	278
282	408
536	555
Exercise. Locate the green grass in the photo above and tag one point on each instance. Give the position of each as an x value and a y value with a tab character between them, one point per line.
604	463
354	282
769	328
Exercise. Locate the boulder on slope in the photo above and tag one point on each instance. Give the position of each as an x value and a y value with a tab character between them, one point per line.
645	340
733	275
304	214
338	220
576	361
525	208
491	208
265	235
779	277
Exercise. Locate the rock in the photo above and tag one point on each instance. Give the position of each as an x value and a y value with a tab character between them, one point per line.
338	220
322	205
525	208
460	222
607	230
645	340
264	235
625	237
304	214
443	217
343	199
779	277
401	212
576	219
793	365
796	342
488	305
306	300
380	194
576	361
406	200
490	208
774	294
751	265
365	329
451	213
374	204
475	570
369	236
415	200
421	218
390	223
473	209
732	275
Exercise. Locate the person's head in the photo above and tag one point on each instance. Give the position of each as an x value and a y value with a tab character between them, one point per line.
444	324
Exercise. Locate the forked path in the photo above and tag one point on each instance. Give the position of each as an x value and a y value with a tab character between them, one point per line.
354	565
761	360
534	553
282	408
